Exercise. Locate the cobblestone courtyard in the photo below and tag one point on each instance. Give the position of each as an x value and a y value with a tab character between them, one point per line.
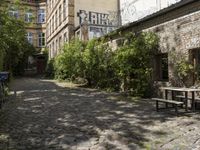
46	115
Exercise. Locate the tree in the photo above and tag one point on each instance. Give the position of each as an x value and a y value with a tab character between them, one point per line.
14	47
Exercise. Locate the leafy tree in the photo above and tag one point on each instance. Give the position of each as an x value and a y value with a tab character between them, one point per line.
14	49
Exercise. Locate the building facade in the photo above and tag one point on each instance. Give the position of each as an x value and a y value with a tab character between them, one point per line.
33	12
178	30
85	20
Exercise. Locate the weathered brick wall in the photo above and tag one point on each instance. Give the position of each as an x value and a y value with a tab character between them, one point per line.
177	38
178	30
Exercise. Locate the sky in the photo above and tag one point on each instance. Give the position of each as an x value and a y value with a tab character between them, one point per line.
133	10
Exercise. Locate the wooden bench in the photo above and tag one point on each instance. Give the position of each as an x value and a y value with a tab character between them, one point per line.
183	97
175	103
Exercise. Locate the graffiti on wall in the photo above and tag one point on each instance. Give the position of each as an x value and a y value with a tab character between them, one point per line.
95	18
95	24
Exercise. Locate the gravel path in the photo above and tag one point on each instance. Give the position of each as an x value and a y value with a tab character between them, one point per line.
46	115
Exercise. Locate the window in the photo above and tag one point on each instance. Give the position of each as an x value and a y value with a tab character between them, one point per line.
30	37
60	15
53	49
14	13
65	37
56	46
50	27
41	16
195	62
41	39
28	17
60	41
56	20
47	30
161	67
64	9
53	24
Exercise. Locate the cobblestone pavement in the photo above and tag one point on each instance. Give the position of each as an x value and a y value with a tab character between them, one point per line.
45	115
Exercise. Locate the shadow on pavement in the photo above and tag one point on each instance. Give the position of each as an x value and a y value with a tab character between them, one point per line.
46	116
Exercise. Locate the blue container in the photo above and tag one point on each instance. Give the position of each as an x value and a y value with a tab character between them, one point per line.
4	76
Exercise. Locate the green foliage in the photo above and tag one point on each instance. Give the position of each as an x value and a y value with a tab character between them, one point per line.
128	67
50	69
182	67
100	68
14	47
134	62
69	63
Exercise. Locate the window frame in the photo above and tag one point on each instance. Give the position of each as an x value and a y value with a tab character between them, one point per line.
41	16
41	39
30	37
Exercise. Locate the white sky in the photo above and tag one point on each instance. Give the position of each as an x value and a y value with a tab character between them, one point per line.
135	9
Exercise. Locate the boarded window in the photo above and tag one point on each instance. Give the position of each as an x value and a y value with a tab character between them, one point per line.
161	67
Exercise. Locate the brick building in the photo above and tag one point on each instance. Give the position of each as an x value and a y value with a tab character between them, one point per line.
179	32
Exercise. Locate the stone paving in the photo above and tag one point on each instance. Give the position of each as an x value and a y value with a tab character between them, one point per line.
46	115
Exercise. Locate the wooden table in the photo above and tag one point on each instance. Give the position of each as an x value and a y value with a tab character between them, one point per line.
185	90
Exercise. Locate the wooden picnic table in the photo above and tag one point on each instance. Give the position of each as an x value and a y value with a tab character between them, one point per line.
184	90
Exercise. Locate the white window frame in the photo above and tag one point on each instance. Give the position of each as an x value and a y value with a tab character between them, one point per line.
41	16
29	17
41	39
30	37
14	13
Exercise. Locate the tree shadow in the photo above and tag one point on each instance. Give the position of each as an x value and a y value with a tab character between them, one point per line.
47	116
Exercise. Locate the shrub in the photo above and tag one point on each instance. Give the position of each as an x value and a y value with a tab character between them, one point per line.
68	64
49	72
133	61
128	68
98	62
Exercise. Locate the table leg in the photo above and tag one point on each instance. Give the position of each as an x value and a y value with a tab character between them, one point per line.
173	95
186	101
166	97
193	101
157	106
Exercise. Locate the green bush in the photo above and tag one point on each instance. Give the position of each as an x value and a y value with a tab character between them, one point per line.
68	65
128	68
133	61
98	68
50	71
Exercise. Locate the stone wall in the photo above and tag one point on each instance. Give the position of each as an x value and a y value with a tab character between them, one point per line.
178	29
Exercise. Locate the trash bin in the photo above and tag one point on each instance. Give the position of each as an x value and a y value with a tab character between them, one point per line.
4	76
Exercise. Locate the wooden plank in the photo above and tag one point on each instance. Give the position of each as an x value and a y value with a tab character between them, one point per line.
180	89
167	101
181	96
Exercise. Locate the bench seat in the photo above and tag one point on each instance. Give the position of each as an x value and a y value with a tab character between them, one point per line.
183	97
167	101
175	103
